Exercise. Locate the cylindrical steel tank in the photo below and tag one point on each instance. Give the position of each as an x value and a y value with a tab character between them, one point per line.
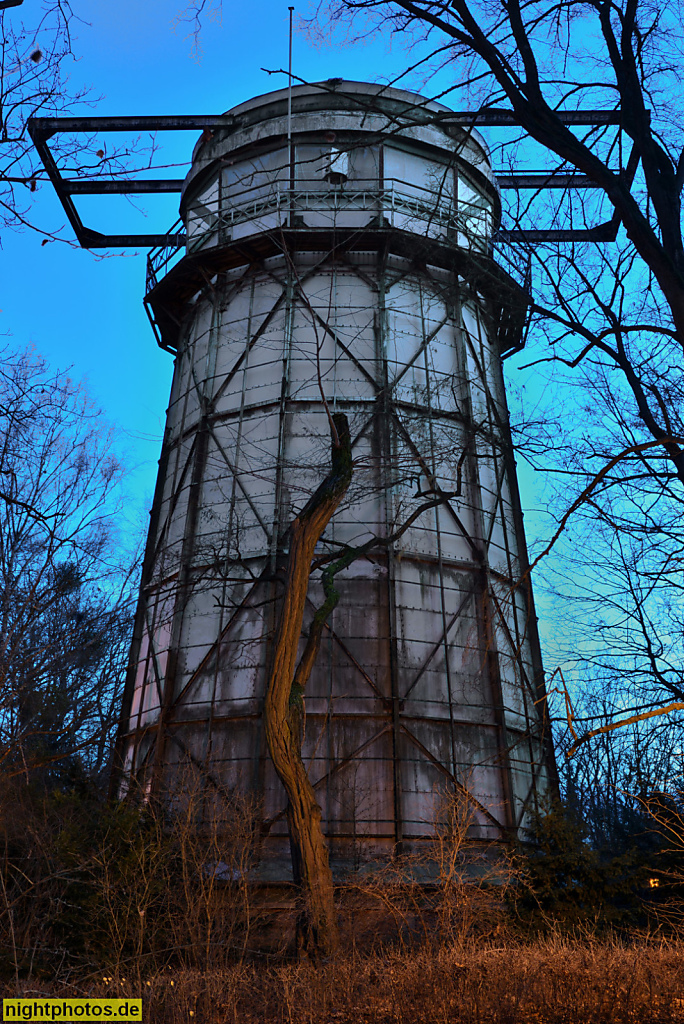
342	256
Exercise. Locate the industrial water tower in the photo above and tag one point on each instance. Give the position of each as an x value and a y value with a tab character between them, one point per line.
339	258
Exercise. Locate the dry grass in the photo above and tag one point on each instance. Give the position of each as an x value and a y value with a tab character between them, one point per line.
159	905
549	982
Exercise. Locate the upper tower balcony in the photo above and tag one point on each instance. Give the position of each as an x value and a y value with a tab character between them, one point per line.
353	167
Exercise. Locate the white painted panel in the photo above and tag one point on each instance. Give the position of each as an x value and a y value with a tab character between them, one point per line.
202	217
418	175
246	181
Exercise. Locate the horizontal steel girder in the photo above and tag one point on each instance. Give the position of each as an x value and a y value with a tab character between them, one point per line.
42	129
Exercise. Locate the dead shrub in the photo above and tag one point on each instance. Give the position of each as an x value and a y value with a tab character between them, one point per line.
449	888
89	887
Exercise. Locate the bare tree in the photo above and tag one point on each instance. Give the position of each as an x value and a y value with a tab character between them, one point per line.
35	50
414	462
64	609
284	707
193	16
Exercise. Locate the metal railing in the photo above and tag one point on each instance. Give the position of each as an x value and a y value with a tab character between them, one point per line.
163	257
400	204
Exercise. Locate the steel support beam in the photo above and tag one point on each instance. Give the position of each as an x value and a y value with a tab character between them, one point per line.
494	117
41	129
105	186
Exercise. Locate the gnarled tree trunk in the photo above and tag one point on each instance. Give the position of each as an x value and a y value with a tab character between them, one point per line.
316	925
